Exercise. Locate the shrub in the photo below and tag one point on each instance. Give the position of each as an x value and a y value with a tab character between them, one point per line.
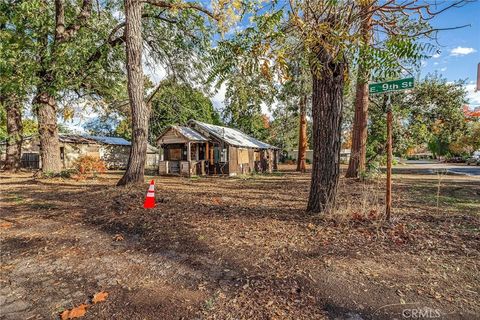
89	166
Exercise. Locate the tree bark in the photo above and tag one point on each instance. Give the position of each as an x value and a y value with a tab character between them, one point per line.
327	107
302	135
15	135
46	107
358	154
140	110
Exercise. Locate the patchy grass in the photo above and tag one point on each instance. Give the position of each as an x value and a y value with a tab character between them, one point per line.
239	248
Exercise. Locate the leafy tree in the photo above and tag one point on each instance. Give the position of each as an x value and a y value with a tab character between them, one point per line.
176	103
284	126
179	49
332	35
431	114
468	141
16	70
436	113
243	105
67	45
296	91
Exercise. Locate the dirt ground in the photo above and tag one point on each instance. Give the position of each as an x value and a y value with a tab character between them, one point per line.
239	248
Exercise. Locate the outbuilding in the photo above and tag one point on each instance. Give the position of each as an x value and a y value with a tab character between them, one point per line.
113	151
206	149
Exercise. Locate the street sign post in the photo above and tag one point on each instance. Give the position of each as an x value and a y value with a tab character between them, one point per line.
390	86
387	87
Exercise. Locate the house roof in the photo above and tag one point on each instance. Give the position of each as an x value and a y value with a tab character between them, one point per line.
232	136
116	141
109	140
87	139
189	133
77	138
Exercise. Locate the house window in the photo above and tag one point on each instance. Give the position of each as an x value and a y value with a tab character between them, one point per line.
62	153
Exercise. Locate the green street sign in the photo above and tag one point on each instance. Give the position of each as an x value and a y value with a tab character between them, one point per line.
389	86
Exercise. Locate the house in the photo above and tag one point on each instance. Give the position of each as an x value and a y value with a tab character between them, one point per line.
204	149
112	150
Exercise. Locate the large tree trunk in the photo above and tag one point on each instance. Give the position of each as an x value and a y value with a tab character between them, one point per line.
140	110
15	135
46	107
302	135
358	155
327	107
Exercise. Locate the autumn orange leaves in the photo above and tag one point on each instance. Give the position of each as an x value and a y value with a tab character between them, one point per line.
81	310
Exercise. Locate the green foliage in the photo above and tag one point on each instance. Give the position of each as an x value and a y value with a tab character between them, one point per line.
243	106
29	125
83	65
124	129
3	123
468	141
429	116
176	103
283	131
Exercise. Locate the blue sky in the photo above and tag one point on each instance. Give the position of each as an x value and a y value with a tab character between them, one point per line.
460	48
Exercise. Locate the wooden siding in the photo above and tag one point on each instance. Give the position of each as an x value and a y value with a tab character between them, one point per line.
172	136
232	161
251	159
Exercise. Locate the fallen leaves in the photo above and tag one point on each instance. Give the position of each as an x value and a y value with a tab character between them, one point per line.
81	310
118	237
76	312
216	201
100	297
6	225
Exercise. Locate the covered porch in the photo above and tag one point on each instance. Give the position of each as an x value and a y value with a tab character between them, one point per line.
185	152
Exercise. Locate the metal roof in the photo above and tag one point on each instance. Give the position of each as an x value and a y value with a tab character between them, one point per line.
110	140
74	138
232	136
189	133
87	139
77	138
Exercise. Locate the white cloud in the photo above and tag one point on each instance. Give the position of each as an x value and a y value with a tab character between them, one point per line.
436	55
473	97
443	69
461	51
435	63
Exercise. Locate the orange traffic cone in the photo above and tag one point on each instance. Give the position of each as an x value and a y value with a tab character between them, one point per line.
150	199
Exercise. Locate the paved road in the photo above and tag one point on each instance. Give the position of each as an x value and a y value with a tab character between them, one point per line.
429	167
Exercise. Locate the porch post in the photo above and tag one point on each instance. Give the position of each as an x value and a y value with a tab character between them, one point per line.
189	158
